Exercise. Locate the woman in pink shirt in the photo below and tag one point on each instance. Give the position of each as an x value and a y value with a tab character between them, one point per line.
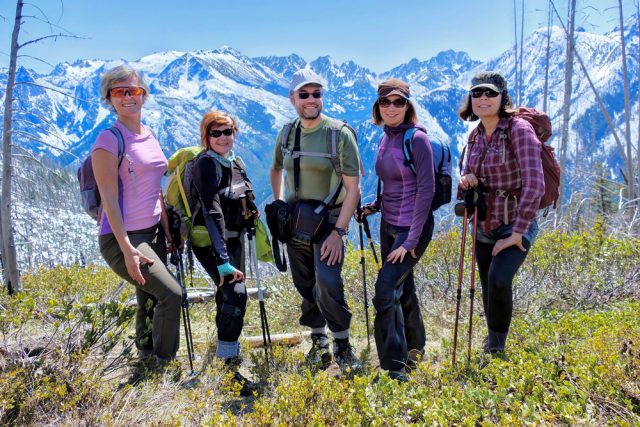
503	156
134	229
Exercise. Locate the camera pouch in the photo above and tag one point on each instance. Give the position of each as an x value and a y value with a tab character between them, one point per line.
310	221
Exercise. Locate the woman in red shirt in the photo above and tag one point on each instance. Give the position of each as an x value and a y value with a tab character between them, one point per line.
503	154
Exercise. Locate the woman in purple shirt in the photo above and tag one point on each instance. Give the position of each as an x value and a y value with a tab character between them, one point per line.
503	153
405	229
134	224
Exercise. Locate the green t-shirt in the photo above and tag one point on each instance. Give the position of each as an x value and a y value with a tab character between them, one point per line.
318	179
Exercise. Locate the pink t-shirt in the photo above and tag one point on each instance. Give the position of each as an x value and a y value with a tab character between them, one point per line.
141	203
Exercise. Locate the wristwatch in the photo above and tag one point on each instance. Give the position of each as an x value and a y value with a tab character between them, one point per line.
341	231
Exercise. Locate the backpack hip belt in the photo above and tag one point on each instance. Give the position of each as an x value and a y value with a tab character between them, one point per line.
505	194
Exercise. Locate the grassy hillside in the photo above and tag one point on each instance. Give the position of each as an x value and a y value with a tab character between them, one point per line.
573	354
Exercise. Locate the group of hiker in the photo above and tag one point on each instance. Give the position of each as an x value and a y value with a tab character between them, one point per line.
315	181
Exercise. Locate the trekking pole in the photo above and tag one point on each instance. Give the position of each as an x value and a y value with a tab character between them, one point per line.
177	261
472	288
190	262
264	324
364	275
459	291
367	231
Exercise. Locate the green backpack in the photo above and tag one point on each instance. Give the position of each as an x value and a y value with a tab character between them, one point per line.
178	195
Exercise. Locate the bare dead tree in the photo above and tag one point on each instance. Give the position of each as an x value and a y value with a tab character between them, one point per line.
638	141
627	109
548	57
599	99
515	53
568	88
9	254
521	84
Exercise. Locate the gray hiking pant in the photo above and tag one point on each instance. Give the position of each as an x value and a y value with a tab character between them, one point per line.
321	287
159	299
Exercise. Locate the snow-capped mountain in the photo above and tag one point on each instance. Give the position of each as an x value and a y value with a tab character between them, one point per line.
66	120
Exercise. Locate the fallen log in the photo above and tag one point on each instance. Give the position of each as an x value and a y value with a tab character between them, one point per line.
288	340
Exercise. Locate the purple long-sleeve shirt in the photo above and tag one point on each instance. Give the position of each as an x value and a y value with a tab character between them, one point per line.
406	198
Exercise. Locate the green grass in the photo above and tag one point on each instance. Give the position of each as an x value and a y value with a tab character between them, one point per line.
573	351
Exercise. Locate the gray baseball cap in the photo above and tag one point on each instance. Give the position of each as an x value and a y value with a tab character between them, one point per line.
489	79
304	77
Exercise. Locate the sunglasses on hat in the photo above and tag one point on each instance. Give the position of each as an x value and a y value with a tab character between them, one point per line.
121	92
489	93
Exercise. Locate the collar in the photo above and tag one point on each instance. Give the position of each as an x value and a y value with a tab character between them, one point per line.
224	161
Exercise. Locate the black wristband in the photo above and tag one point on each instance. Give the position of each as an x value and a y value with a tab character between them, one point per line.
341	231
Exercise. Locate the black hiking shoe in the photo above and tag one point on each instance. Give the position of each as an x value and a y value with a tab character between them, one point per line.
415	356
345	357
248	387
319	354
400	376
149	367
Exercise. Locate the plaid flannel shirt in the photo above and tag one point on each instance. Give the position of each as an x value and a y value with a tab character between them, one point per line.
513	166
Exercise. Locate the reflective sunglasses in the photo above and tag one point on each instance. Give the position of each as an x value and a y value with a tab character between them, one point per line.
121	92
398	103
489	93
218	133
306	95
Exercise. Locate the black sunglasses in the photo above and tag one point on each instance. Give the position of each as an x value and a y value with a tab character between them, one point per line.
218	133
489	93
305	95
398	103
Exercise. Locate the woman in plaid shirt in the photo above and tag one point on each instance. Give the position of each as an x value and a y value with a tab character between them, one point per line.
503	153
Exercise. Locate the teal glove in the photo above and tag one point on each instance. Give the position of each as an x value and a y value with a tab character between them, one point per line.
226	269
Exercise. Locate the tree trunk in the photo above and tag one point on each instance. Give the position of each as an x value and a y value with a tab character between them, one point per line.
515	54
638	141
521	85
545	105
627	112
9	256
566	107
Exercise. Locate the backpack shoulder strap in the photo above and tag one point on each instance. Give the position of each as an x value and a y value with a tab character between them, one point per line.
116	132
284	137
407	149
333	139
470	141
132	173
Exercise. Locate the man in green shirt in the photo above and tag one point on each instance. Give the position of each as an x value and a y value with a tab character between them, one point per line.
316	267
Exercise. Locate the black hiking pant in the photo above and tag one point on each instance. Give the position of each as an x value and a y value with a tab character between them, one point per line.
321	288
398	325
497	273
231	298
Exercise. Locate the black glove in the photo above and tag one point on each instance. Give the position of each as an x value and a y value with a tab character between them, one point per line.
475	198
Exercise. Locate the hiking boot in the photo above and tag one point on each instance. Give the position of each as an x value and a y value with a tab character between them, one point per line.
414	357
345	357
248	387
150	367
400	376
319	354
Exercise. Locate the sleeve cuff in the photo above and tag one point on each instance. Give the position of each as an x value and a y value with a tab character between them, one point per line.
521	225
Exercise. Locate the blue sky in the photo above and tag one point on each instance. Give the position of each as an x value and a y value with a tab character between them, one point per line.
375	34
